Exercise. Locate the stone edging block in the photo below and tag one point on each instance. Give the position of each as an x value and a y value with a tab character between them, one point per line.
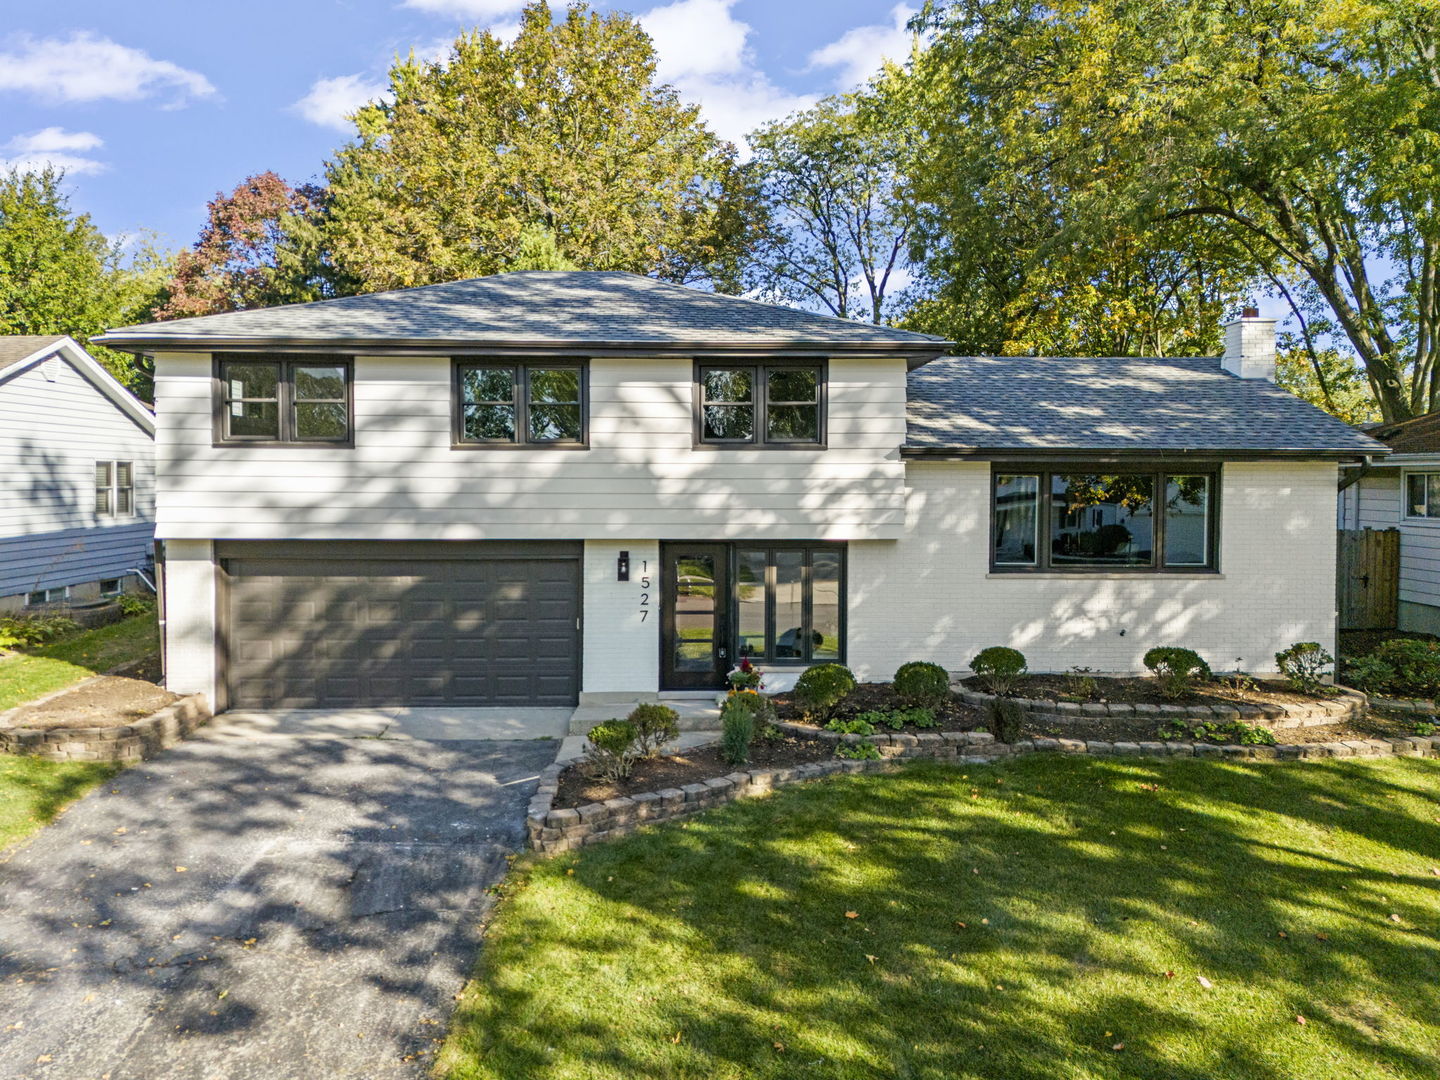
129	743
1346	704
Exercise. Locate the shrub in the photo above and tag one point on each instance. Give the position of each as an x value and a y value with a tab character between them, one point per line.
1080	683
1424	727
999	669
1304	664
1370	674
654	725
737	725
856	726
1230	732
22	631
1177	670
1004	718
1414	667
612	751
760	706
922	684
895	719
858	751
822	687
130	606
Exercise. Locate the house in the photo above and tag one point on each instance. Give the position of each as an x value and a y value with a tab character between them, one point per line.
77	472
551	487
1402	491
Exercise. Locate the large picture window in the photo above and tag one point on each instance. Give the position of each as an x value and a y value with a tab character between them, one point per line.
1071	519
298	400
769	405
789	602
539	404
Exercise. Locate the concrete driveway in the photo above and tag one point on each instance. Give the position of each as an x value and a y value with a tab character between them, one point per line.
268	907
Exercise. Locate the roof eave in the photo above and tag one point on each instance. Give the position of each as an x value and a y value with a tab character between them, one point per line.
1112	453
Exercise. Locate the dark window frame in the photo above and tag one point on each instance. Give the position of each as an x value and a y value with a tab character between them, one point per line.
760	383
285	436
1158	473
520	390
807	601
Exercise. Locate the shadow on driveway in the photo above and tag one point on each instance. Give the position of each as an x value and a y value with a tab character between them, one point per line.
268	908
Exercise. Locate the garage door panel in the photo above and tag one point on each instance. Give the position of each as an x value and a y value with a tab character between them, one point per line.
305	632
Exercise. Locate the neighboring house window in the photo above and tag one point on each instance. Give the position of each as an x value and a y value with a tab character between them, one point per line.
1137	520
114	488
1422	495
283	401
789	602
771	405
110	586
48	596
538	404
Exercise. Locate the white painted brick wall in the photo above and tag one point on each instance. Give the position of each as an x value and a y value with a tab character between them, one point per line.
622	646
931	596
190	618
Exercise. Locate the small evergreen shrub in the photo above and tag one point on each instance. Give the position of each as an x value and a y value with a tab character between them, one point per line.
654	725
1304	665
1405	667
737	724
822	687
858	751
999	668
922	684
1177	670
611	752
1005	719
1370	674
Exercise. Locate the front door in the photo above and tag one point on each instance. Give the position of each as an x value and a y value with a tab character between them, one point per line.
695	638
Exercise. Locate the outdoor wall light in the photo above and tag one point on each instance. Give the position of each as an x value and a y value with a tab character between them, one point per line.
622	567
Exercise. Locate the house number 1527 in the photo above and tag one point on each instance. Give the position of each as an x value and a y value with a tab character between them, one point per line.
644	585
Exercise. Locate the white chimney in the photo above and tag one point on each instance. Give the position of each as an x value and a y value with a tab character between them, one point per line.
1250	346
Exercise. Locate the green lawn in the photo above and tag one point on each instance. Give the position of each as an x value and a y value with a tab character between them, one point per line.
33	791
51	667
1047	919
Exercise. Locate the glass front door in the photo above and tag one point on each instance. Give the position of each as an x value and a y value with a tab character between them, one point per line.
695	653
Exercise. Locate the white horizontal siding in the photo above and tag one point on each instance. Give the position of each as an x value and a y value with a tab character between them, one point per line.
641	476
1379	507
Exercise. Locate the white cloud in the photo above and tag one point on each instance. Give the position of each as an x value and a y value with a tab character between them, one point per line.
86	67
468	9
330	102
702	50
54	147
859	52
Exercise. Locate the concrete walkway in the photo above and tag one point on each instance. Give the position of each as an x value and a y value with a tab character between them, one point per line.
288	906
398	723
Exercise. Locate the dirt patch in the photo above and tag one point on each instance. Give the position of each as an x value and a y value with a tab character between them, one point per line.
109	701
1146	691
954	715
689	767
1120	729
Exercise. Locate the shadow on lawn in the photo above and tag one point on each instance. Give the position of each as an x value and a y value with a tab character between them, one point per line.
1082	883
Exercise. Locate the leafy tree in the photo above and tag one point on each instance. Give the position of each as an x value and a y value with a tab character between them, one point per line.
236	263
564	130
1328	379
60	275
1298	133
829	178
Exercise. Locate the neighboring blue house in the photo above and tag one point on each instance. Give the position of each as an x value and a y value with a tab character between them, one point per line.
77	476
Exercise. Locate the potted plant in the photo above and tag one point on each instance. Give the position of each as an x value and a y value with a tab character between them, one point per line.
745	677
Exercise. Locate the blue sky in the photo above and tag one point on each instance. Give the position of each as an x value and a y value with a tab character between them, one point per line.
155	105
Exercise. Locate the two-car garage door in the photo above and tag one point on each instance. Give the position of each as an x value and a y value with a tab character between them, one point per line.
316	625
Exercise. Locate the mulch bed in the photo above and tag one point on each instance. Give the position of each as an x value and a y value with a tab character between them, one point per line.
1117	729
109	701
954	715
1146	691
687	767
1355	643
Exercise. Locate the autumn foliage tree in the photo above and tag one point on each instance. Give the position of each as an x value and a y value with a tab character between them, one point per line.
237	261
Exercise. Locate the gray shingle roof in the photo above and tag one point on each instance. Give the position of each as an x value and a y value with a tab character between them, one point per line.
1113	404
15	347
531	308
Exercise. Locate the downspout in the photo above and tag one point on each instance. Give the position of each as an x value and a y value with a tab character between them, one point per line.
1367	465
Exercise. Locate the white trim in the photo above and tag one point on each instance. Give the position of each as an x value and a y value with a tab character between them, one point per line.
1416	519
64	590
94	372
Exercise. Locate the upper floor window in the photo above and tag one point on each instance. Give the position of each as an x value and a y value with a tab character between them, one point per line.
1422	495
775	405
1138	520
535	404
294	400
114	488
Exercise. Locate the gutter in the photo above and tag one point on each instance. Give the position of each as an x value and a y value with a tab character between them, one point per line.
1122	454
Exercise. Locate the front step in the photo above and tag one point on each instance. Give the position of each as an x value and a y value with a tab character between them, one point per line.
696	713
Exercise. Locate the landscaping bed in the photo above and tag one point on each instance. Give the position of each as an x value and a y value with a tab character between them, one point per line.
953	715
107	701
1137	729
1143	690
685	767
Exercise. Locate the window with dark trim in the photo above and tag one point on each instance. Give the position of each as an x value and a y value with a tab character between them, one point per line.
1127	520
114	488
286	401
790	602
771	405
535	404
1422	495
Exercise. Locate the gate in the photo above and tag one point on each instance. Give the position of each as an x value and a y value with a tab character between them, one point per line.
1367	581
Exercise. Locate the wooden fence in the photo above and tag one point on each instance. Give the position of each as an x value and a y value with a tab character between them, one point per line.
1367	578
